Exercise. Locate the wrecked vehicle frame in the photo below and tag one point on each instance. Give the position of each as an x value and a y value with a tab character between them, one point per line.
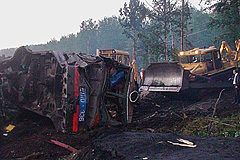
73	90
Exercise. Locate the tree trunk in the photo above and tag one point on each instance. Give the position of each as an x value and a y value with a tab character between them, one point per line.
134	44
182	25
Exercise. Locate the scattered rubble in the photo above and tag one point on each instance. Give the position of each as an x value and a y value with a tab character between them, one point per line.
145	138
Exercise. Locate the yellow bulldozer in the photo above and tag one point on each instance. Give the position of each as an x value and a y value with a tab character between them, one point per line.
197	69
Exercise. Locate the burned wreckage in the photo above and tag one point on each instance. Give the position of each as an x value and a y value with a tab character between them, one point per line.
73	90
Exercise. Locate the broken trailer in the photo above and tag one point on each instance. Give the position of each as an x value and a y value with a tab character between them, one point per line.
73	90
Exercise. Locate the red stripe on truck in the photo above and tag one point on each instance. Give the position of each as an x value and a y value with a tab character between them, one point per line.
76	92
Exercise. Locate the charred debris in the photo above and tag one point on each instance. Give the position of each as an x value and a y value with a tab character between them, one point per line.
73	90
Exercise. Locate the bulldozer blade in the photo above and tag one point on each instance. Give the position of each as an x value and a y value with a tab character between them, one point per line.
163	77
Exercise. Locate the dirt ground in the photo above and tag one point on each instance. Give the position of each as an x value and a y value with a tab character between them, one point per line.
154	134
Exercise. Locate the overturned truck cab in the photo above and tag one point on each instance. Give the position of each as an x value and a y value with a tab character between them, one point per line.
73	90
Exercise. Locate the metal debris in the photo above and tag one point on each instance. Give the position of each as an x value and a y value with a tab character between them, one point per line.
63	145
185	143
9	128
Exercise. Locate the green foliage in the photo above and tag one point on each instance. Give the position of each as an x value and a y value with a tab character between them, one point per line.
104	34
87	37
220	127
164	21
52	44
225	17
110	35
7	52
132	19
153	29
199	35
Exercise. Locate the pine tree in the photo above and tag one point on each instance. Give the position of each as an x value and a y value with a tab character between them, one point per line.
226	16
132	18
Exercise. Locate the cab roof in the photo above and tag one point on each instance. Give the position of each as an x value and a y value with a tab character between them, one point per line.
114	51
197	51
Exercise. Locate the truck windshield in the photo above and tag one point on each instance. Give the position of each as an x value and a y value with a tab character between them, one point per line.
190	59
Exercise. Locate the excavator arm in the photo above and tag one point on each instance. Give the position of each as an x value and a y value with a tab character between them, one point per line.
237	42
230	53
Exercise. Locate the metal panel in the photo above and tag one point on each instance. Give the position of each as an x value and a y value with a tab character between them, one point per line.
163	77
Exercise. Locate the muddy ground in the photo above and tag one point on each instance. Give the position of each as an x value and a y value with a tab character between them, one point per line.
154	134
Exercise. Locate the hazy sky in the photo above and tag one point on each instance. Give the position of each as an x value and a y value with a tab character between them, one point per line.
25	22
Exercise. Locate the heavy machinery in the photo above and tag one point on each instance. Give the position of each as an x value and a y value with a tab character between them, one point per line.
124	57
237	42
120	56
73	90
230	54
197	69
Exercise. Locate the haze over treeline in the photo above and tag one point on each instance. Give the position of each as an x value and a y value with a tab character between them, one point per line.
152	32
